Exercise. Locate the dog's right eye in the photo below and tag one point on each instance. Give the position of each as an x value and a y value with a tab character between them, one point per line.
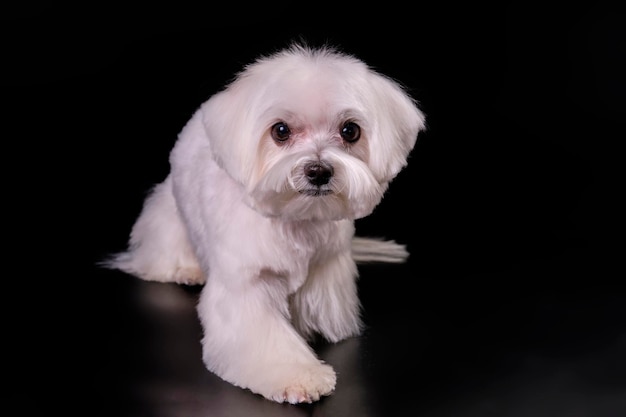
281	132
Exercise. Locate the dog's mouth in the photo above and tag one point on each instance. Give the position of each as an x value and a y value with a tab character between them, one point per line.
316	192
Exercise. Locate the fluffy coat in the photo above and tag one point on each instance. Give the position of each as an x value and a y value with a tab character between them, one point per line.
266	181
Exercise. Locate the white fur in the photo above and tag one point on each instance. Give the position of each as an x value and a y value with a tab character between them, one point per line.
277	264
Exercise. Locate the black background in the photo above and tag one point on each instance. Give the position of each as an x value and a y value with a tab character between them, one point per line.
513	300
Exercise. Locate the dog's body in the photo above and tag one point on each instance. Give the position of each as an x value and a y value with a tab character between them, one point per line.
266	181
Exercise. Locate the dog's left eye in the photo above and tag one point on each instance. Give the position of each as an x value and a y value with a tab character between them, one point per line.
280	132
350	132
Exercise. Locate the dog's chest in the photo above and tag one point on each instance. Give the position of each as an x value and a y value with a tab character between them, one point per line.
312	241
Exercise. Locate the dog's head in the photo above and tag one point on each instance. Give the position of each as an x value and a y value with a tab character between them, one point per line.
312	133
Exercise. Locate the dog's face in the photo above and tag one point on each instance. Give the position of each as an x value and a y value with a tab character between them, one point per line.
312	134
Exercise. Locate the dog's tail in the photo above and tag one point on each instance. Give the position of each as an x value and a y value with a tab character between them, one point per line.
376	250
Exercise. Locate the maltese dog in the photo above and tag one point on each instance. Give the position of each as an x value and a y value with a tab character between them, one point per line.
266	181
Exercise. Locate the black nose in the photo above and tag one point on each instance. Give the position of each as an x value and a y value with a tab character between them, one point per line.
318	173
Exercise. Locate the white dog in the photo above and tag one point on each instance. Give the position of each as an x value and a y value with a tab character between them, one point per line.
266	181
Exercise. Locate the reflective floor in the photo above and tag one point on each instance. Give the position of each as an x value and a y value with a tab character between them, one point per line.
505	343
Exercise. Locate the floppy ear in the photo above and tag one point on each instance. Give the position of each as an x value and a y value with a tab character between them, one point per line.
396	123
229	121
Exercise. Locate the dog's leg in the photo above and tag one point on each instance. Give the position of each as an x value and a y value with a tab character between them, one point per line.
328	301
249	341
159	248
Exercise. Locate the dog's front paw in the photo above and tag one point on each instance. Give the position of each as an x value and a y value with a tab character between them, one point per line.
301	384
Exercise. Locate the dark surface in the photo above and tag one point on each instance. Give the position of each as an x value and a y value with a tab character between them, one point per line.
513	302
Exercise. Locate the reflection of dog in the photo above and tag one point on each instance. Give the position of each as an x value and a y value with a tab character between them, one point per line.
266	180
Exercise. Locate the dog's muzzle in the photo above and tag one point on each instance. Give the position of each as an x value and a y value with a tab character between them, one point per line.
318	174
